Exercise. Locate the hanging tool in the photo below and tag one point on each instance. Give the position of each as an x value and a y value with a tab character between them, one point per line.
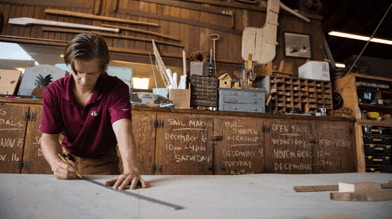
261	42
214	38
29	21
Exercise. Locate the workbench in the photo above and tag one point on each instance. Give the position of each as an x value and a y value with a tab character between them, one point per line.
200	196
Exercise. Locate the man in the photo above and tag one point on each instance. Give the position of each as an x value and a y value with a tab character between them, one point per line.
92	112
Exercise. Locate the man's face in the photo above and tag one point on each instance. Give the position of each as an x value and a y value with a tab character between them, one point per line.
86	74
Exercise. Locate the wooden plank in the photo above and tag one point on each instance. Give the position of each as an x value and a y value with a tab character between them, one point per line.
316	188
380	195
322	188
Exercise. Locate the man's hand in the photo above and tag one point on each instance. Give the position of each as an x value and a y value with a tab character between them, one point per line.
122	182
62	170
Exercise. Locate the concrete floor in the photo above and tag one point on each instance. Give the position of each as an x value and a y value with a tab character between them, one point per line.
241	196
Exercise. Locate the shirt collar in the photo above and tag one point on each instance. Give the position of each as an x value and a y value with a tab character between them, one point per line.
97	93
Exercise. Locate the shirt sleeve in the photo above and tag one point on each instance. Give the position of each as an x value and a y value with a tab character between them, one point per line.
120	106
51	122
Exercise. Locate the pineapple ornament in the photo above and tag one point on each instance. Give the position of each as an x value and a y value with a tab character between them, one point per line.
40	84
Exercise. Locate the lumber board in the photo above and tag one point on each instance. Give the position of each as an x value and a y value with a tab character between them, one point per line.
316	188
380	195
323	188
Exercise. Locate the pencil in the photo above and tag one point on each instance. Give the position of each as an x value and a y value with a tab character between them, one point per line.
66	161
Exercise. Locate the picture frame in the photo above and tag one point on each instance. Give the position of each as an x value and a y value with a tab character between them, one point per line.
297	45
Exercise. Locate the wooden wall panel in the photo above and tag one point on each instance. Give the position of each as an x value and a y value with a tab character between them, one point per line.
190	25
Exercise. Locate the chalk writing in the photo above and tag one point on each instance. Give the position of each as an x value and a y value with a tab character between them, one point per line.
238	163
3	112
39	152
187	141
37	140
239	153
337	143
287	154
194	158
190	123
296	128
292	166
8	124
11	142
14	157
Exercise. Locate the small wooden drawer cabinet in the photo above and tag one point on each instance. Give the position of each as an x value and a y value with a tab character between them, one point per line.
241	100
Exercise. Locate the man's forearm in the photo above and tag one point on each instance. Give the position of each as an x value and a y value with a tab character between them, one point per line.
50	147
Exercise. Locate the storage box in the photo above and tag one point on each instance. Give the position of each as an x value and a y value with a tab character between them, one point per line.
315	70
204	91
181	98
199	68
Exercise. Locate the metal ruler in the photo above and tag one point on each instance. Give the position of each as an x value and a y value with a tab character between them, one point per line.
149	199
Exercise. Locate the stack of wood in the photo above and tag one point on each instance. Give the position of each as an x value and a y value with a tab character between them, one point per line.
357	191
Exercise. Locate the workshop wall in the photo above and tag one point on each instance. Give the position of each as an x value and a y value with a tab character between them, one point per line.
174	25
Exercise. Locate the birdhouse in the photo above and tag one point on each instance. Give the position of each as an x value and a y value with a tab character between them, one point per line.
225	80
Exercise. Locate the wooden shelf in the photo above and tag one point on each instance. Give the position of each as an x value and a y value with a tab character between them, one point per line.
297	95
358	91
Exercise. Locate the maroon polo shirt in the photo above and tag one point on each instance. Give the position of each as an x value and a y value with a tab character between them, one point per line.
87	130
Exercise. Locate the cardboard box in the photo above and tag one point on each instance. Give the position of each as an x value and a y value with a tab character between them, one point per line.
181	98
315	70
199	68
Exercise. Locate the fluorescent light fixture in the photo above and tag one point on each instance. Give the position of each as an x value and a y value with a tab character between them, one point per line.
340	65
359	37
140	83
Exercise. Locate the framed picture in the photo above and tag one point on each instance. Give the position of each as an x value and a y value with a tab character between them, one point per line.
297	45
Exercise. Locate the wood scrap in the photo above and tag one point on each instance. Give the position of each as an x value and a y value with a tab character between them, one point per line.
362	191
316	188
322	188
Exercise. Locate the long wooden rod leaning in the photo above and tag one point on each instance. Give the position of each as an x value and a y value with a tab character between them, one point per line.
97	17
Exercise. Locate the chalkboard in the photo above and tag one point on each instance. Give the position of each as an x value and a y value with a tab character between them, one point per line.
12	132
33	159
184	144
290	146
240	147
334	151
